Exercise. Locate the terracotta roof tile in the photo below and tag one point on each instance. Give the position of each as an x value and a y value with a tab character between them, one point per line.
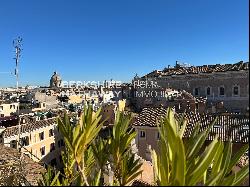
28	127
228	126
200	69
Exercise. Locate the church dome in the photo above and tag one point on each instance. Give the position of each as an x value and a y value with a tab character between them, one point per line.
55	80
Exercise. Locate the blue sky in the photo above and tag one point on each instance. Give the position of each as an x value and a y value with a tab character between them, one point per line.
104	39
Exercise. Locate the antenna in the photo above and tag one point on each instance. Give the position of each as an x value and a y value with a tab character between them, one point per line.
17	44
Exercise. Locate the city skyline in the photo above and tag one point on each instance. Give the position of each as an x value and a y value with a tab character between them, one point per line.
116	39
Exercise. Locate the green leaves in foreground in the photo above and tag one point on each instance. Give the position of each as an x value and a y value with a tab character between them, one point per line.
50	178
126	167
78	138
86	154
180	163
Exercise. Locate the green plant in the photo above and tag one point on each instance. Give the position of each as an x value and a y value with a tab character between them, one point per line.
184	162
180	161
50	178
125	166
78	139
86	154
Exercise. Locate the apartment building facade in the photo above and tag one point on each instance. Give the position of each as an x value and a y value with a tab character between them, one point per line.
39	139
228	127
7	109
228	83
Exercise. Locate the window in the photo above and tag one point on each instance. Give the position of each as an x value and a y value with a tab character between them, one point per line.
1	107
42	150
142	134
51	132
222	91
208	91
236	90
25	141
52	147
196	91
13	144
158	136
41	135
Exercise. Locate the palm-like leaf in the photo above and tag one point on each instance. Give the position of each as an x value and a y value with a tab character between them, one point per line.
180	163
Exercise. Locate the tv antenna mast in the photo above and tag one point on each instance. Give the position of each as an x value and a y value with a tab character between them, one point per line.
17	44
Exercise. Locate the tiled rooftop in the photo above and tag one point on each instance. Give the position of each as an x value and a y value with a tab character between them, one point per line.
28	127
228	126
200	69
15	169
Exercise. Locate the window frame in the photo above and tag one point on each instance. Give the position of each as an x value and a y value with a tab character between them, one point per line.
158	136
52	147
42	136
219	90
198	91
210	90
44	151
140	134
233	94
51	132
25	141
13	144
